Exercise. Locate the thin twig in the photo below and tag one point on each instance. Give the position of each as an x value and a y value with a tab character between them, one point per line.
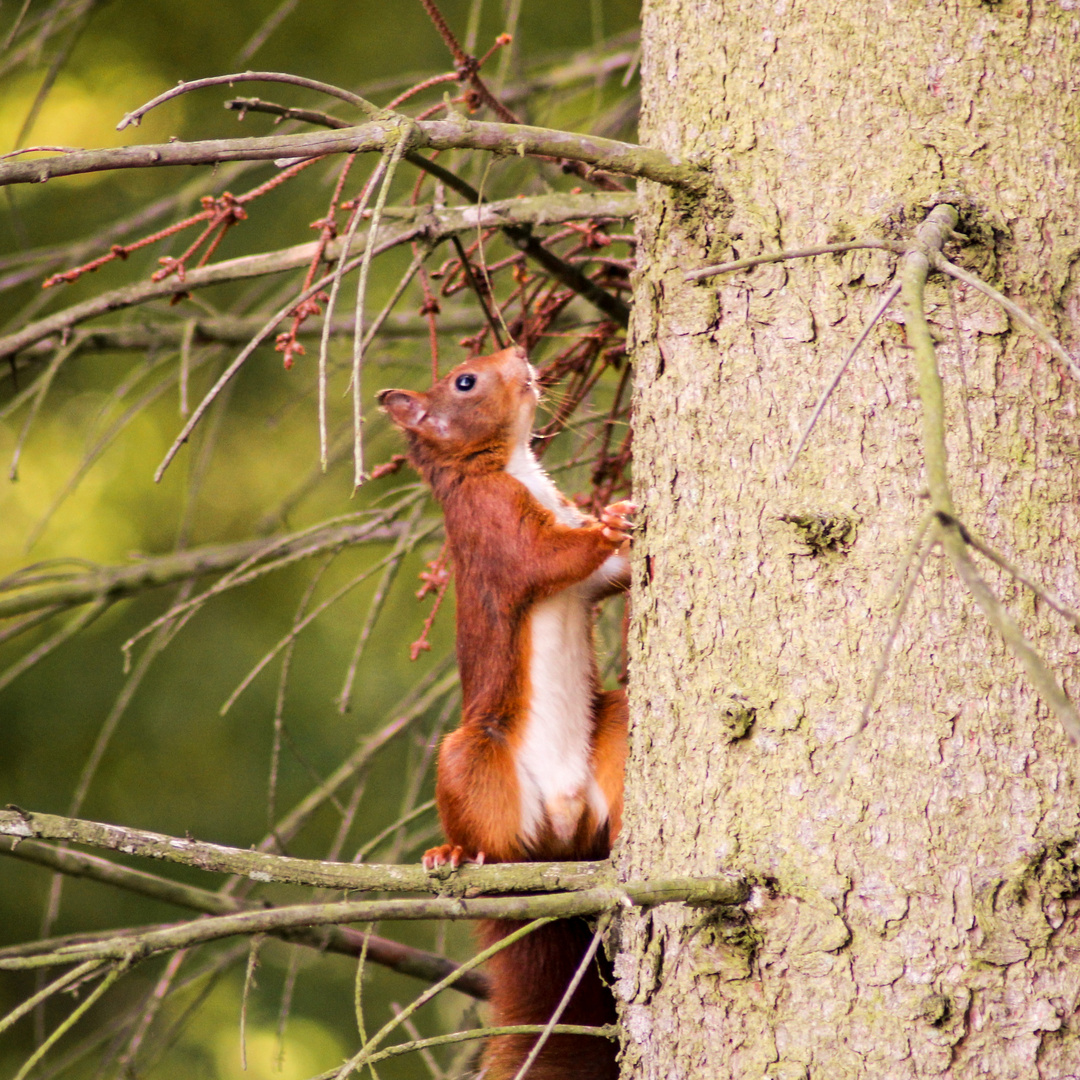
355	217
400	147
366	1050
74	975
41	388
962	365
424	1051
311	616
278	723
392	954
269	25
404	545
78	623
797	253
372	844
939	262
95	450
453	132
607	1031
71	1019
154	1001
890	296
586	960
249	980
931	236
882	665
894	630
226	376
1049	598
134	118
478	292
424	695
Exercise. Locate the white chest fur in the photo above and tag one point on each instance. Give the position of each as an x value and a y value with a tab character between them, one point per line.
553	767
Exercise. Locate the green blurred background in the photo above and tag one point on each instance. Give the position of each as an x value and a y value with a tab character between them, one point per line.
175	764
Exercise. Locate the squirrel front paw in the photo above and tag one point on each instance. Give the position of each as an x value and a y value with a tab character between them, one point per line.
454	854
615	520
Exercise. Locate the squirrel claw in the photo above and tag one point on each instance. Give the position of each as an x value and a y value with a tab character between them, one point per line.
615	520
449	854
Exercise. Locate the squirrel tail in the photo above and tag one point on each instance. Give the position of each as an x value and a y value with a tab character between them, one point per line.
528	980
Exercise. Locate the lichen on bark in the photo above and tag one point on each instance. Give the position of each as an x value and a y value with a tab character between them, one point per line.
916	903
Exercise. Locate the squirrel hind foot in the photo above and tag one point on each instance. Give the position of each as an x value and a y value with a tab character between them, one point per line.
452	854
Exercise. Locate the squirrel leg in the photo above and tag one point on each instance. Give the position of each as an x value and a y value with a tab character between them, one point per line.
477	794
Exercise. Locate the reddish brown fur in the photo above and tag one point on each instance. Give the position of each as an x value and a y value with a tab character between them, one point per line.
528	980
509	552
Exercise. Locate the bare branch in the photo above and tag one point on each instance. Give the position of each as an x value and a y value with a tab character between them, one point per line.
72	1018
74	975
264	867
889	297
31	591
131	948
798	253
386	177
302	623
519	235
930	238
1049	598
392	954
452	133
421	697
238	329
939	262
134	118
421	224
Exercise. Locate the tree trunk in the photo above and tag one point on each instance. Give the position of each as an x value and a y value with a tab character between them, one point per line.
915	899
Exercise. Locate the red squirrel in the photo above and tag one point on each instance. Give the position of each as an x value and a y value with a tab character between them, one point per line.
535	771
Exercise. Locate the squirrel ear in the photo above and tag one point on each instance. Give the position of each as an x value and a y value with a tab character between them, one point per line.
406	408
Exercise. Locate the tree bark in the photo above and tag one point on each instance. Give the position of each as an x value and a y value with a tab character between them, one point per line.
916	888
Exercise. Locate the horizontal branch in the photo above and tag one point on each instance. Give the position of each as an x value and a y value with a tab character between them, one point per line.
797	253
50	588
519	235
455	132
421	223
405	959
132	948
239	330
261	866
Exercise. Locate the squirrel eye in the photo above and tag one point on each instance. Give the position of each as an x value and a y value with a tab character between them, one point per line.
465	382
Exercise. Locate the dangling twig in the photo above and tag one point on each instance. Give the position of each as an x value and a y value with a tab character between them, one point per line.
335	286
890	296
404	133
586	960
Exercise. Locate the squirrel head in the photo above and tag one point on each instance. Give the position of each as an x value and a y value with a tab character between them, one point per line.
472	418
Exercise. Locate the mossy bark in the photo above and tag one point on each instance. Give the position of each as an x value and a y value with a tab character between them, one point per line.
917	890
